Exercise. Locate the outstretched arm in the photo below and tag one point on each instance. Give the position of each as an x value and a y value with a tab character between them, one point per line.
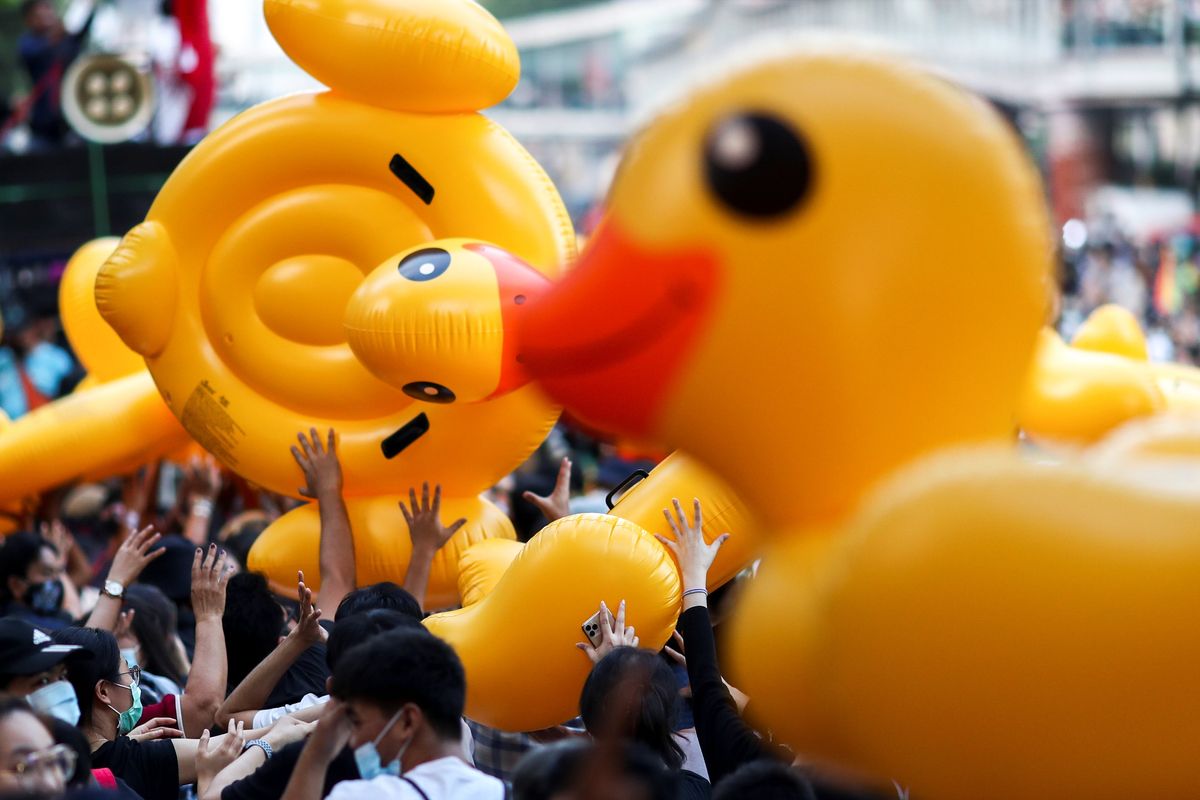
323	476
132	557
428	535
206	679
250	695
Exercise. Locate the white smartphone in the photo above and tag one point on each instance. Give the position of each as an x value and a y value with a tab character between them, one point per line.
592	629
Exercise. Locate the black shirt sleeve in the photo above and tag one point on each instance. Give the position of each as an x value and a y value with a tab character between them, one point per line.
306	676
150	768
726	740
270	780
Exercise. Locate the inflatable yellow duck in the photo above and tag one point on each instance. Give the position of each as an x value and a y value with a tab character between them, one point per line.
843	271
986	627
235	289
1078	393
112	423
815	270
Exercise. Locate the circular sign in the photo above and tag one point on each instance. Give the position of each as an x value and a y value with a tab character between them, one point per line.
107	98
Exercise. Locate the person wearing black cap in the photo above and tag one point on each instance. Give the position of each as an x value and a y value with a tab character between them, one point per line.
33	666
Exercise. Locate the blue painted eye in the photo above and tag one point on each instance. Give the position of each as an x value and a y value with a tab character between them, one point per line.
425	265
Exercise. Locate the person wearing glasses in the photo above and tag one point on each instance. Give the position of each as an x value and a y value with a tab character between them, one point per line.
109	692
30	761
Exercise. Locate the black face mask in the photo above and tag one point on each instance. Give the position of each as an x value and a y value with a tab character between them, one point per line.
44	598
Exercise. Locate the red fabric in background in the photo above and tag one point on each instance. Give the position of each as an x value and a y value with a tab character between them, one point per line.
192	16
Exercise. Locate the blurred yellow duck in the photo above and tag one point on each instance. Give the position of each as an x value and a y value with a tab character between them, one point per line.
813	272
1078	393
818	268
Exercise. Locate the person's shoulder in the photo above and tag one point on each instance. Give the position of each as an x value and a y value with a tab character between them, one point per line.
453	777
385	786
693	786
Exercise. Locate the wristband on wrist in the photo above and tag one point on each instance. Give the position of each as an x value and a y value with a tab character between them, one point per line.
132	518
260	743
695	591
202	507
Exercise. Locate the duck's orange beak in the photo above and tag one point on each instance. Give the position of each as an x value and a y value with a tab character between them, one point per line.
519	284
609	341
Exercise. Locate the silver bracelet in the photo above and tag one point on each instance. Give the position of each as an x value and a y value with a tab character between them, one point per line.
695	591
260	743
202	507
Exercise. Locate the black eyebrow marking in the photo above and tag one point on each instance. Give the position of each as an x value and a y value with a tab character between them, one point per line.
412	178
405	435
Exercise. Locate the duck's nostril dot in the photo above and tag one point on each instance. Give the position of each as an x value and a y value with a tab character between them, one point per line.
519	299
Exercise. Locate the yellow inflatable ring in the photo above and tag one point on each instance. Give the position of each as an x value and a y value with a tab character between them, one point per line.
381	546
373	50
528	676
255	245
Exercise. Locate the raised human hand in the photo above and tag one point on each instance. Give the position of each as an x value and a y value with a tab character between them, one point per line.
425	526
210	577
322	470
57	534
308	628
614	633
692	553
133	555
211	759
557	504
331	734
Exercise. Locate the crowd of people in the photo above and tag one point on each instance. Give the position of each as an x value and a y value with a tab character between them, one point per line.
139	657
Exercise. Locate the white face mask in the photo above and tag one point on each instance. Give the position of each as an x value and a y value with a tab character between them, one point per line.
130	656
58	700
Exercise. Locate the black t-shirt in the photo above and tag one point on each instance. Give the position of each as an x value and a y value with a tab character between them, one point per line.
306	676
150	768
270	780
692	786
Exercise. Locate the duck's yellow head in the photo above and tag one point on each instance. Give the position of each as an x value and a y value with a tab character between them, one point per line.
811	271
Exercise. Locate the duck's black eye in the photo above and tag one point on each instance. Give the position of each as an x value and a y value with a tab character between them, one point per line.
429	392
425	265
757	165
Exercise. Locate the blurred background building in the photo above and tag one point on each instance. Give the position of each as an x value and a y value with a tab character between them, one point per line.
1104	93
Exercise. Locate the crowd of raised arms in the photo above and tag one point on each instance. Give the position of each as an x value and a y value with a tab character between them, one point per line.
188	675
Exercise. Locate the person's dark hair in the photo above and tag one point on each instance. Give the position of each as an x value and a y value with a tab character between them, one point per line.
85	673
379	595
612	769
11	704
252	622
66	733
631	694
406	666
19	551
767	779
238	544
154	624
348	632
547	771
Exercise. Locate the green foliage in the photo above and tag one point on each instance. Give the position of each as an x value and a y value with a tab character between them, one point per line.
516	8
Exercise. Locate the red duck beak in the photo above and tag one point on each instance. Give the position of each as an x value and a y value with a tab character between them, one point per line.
518	283
609	341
